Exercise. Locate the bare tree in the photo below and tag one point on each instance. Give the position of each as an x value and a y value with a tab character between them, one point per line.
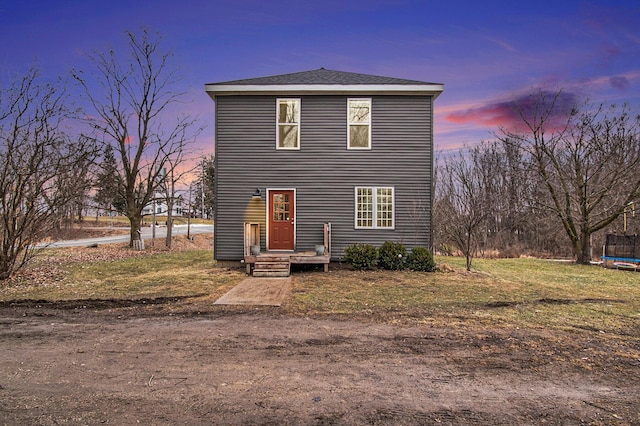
462	203
34	152
588	161
171	177
514	224
77	181
132	97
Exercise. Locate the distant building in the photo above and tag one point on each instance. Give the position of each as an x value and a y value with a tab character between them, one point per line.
162	209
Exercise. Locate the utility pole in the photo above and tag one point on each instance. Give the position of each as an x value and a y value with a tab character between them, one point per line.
202	189
189	215
153	222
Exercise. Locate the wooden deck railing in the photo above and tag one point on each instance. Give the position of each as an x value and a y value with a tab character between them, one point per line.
327	239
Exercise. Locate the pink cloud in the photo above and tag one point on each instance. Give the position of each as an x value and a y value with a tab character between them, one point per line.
510	114
487	115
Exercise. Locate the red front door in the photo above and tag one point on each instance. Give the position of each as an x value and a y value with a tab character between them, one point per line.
281	220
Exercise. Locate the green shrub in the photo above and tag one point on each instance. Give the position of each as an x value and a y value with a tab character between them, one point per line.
420	259
361	256
392	255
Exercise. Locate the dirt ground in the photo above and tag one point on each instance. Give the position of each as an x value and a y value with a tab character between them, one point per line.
178	362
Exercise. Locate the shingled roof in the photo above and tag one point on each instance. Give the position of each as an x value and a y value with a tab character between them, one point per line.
323	80
321	76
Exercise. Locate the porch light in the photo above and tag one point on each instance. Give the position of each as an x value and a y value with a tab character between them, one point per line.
257	193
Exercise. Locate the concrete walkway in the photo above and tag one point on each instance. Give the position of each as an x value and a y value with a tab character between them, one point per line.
258	291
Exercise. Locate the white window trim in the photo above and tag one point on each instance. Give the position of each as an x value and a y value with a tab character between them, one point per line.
278	124
349	147
374	190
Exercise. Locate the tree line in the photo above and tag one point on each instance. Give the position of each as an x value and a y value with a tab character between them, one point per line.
552	184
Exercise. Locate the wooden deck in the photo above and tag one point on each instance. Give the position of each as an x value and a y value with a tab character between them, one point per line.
306	257
278	263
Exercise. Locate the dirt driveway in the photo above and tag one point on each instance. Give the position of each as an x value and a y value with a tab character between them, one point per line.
142	363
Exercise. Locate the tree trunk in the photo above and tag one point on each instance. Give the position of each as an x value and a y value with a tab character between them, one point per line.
468	249
135	240
583	250
6	266
79	213
169	226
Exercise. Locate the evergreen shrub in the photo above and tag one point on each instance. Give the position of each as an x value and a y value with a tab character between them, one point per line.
392	255
421	259
361	256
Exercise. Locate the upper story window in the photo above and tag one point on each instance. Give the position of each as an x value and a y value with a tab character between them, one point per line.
359	124
288	125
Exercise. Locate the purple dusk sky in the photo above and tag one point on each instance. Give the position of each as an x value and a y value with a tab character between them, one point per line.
486	53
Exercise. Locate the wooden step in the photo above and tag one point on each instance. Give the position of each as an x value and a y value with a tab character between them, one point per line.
272	266
271	273
265	274
272	258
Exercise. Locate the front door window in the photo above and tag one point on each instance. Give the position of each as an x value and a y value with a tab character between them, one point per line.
281	207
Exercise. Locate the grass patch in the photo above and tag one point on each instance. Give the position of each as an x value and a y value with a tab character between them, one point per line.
506	292
106	220
157	275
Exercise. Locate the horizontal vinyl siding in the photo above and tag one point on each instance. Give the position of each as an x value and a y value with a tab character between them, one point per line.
323	172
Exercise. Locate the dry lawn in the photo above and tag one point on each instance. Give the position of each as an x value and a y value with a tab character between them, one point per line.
502	292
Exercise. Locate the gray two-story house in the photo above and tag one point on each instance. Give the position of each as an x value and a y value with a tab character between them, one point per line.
321	158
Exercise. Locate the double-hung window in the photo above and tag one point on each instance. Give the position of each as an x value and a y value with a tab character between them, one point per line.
288	124
374	207
359	123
